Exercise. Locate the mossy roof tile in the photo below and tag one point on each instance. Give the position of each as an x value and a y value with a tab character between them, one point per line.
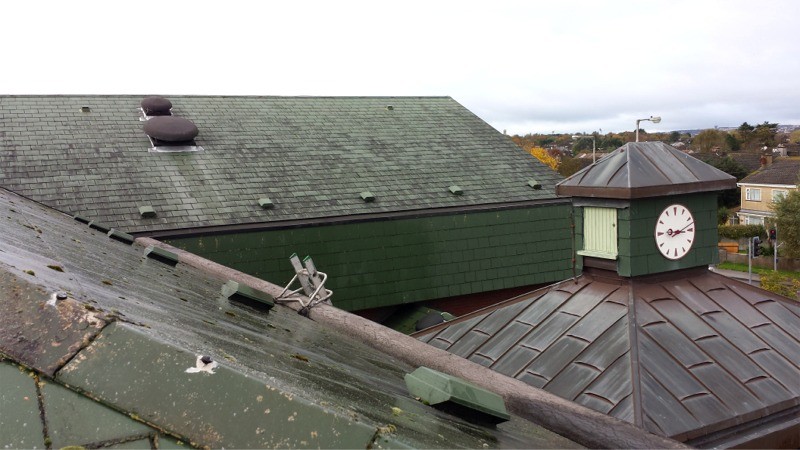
258	145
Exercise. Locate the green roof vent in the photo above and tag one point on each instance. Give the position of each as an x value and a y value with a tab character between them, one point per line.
367	196
534	184
246	295
456	190
121	236
95	225
81	219
161	255
456	396
265	203
147	211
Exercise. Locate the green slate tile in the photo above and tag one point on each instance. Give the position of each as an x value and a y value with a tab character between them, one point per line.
73	419
20	424
132	371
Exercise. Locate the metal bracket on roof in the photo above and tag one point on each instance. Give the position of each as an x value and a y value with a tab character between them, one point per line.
312	283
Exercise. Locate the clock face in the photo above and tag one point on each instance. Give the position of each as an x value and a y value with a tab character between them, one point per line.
675	231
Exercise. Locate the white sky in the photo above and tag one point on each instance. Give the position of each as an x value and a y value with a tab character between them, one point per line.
523	66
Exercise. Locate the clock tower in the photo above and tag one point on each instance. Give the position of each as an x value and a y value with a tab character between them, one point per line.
646	208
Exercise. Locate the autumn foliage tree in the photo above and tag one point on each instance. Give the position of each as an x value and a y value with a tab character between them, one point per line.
543	156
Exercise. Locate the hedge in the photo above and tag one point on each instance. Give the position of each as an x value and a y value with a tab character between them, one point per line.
737	232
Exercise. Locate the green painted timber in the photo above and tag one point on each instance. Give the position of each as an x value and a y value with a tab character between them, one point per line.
600	232
637	251
73	419
20	423
390	262
134	372
436	388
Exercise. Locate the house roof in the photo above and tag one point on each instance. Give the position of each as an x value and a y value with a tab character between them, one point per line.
127	330
645	169
311	156
681	355
781	171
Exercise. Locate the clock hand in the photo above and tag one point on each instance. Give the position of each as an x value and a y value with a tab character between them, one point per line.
687	226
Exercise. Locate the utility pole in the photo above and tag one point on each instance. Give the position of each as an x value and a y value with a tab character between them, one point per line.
749	260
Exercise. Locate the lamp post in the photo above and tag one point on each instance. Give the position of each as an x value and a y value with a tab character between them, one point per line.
654	119
594	143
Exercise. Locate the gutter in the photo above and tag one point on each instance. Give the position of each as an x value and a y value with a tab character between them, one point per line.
578	423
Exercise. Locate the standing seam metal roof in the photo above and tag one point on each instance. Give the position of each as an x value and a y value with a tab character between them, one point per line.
710	353
645	169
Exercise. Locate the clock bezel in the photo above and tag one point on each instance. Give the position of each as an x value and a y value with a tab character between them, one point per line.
660	219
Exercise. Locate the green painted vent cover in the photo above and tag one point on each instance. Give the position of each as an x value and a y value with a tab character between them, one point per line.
81	219
147	211
246	295
367	196
456	190
265	203
95	225
121	236
534	184
161	255
456	396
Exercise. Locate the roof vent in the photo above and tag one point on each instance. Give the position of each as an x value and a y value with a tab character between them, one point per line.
161	255
147	211
389	107
86	109
367	196
246	295
456	190
156	106
456	396
265	203
172	134
121	236
95	225
81	219
534	184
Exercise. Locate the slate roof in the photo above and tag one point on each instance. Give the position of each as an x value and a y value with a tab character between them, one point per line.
680	355
131	326
312	156
782	171
645	169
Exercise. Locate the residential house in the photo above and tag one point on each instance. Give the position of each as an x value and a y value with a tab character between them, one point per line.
765	186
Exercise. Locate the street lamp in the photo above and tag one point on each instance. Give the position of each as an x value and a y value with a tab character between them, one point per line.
654	119
593	143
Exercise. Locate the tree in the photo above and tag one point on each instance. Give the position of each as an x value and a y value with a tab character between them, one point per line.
542	155
794	137
708	139
569	166
765	134
731	143
745	132
787	211
674	136
728	198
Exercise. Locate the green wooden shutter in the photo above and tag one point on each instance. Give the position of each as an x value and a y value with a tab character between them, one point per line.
599	232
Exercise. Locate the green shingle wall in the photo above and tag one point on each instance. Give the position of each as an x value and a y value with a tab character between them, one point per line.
388	262
638	254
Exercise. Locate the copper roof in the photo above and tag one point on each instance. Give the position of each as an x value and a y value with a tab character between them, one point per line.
680	355
645	169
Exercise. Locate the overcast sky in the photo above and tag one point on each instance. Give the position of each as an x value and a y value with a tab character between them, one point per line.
523	66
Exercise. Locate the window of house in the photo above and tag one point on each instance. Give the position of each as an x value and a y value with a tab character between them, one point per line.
753	194
779	194
599	232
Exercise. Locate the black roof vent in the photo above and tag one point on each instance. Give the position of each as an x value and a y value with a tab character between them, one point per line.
156	106
171	131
